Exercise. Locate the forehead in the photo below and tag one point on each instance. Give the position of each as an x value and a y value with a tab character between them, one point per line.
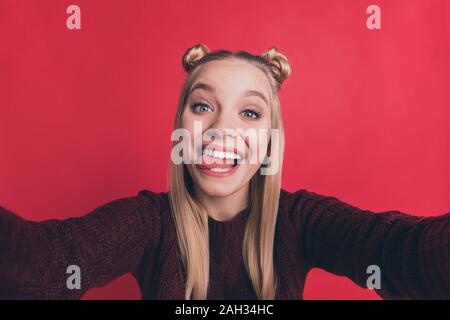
233	76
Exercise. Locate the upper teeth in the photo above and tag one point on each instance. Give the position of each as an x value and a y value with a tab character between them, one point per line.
221	154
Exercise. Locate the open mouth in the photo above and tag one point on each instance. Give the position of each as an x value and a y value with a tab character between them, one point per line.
219	160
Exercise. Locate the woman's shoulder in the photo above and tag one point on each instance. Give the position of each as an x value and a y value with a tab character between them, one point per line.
141	209
156	200
304	204
292	200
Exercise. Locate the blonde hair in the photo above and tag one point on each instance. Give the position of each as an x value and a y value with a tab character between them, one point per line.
191	219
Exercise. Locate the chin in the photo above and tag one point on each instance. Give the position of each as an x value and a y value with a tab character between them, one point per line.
216	186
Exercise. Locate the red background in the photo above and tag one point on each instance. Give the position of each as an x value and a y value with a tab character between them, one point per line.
86	115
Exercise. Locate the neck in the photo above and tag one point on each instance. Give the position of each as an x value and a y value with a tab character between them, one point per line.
224	208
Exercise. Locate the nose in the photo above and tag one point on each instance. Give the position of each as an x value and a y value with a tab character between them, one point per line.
224	125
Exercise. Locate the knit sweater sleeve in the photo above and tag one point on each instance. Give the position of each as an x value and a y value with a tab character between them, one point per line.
412	253
109	241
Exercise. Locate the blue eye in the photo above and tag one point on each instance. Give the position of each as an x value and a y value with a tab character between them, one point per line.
201	107
251	114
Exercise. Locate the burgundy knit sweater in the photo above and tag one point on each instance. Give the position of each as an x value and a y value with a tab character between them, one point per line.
137	235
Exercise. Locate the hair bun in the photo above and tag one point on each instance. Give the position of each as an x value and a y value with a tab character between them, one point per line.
278	63
193	55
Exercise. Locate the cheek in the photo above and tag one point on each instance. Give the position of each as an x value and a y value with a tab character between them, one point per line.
189	119
185	119
259	143
187	123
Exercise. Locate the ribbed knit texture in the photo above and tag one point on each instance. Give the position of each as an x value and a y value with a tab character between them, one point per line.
137	235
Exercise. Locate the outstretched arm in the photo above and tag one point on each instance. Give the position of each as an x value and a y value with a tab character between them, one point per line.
413	253
106	243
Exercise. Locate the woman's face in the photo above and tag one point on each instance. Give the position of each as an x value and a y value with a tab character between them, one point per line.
231	99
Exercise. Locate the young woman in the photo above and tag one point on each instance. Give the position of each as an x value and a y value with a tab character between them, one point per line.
226	229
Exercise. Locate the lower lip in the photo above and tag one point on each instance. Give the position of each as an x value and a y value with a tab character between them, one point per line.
208	172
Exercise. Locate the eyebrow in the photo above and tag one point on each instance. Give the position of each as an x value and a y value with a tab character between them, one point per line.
247	93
